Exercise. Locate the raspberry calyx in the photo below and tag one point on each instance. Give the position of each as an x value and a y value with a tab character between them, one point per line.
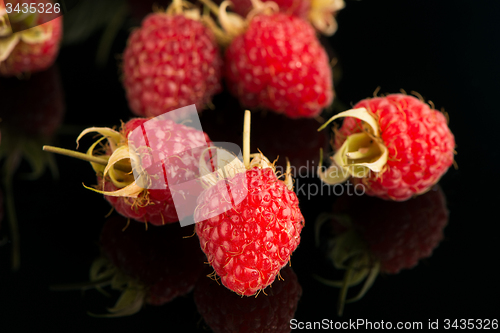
232	24
247	219
117	165
361	152
396	146
228	165
181	7
322	15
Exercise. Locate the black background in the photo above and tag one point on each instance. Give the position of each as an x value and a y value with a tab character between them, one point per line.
445	50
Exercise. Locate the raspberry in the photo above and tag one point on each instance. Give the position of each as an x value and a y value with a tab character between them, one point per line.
151	267
248	246
156	212
170	156
396	146
266	68
178	147
385	236
171	61
257	229
30	50
225	311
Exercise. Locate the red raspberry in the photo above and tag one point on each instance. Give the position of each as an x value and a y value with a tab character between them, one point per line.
164	153
30	50
385	236
151	267
171	61
405	152
178	147
225	311
266	68
321	13
257	229
156	212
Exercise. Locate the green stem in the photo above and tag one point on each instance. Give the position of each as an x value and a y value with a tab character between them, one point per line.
85	157
246	139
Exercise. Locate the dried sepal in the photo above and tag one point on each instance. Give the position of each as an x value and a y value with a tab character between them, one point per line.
181	7
132	191
119	173
231	24
322	15
360	154
7	45
260	161
333	175
359	113
36	35
288	176
5	28
98	168
116	176
114	138
33	35
227	165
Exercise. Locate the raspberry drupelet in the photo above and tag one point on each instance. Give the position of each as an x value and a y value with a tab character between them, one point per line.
171	61
396	146
265	68
249	223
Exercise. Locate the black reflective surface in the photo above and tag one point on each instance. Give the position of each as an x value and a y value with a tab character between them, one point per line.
447	51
